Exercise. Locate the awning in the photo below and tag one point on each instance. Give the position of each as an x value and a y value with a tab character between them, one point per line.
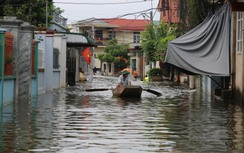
204	50
79	40
91	42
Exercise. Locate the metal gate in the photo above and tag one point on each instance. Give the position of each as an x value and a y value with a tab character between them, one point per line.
71	69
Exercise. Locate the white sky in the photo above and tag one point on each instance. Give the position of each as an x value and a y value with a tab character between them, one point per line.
76	10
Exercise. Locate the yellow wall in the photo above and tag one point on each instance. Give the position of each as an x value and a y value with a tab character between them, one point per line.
237	65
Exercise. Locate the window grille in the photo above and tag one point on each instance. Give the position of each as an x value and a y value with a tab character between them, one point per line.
239	35
111	34
99	34
136	37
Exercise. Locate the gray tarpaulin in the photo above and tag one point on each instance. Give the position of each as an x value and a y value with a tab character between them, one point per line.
205	49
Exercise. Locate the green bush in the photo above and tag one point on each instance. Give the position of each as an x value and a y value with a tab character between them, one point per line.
155	72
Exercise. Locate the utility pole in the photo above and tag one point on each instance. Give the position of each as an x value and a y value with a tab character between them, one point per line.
151	12
144	55
46	14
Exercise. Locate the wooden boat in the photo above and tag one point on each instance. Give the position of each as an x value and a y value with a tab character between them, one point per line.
132	91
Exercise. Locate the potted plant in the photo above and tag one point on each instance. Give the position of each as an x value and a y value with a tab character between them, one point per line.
156	74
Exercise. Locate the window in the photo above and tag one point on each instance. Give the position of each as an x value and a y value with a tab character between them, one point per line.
55	58
136	37
111	34
99	34
239	32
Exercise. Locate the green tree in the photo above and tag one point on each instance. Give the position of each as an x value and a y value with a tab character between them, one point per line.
32	11
192	12
115	53
155	41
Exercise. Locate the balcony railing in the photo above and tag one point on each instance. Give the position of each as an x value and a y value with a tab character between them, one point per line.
102	41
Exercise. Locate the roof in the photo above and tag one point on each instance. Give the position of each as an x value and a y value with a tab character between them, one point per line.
94	22
128	24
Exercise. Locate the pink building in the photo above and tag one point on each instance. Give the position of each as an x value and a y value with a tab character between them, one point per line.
169	11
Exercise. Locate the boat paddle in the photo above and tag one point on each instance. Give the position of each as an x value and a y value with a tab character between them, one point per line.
98	89
105	89
153	92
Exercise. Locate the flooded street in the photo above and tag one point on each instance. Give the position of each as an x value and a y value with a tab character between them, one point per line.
74	121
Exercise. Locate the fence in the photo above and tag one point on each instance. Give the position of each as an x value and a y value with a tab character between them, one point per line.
8	67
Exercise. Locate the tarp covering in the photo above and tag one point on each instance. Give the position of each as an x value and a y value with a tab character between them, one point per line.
205	49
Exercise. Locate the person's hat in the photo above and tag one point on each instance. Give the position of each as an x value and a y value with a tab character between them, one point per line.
125	72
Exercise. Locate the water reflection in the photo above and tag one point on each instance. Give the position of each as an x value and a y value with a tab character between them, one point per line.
71	120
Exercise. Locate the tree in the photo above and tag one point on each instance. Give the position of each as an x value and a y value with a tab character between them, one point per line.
149	41
32	11
115	53
192	12
155	40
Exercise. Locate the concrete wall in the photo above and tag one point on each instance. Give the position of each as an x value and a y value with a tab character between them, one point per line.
60	42
45	74
48	77
237	63
41	37
22	49
49	62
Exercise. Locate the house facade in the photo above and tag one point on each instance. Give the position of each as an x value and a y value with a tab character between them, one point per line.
125	31
237	50
58	55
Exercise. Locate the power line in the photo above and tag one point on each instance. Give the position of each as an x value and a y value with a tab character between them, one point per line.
116	3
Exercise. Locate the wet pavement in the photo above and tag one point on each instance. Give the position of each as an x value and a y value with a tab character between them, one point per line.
74	121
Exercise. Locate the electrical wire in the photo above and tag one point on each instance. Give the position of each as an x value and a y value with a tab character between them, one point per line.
116	3
120	16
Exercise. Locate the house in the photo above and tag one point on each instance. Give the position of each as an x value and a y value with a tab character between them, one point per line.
126	31
237	50
59	55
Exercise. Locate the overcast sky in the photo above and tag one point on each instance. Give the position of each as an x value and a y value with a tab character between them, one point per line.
76	10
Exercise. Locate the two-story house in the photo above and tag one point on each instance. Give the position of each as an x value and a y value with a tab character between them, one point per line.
126	31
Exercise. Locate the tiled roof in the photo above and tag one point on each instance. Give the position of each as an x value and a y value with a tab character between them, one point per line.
128	24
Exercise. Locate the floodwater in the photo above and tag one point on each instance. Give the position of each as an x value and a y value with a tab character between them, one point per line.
74	121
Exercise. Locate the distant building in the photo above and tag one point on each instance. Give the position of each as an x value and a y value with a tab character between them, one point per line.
169	11
126	31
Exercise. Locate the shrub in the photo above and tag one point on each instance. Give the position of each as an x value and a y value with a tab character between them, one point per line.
155	72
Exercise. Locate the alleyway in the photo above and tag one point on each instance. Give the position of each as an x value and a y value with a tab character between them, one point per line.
73	121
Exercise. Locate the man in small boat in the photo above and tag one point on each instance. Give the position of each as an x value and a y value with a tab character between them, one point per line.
124	79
